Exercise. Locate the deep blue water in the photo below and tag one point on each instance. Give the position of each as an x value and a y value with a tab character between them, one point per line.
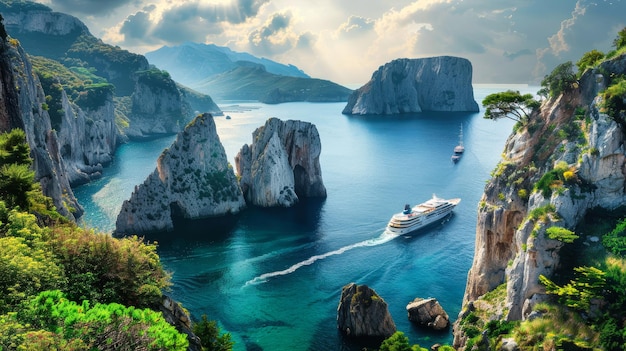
273	277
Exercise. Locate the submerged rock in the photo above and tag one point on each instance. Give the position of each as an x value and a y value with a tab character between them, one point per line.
192	180
281	165
362	313
429	313
441	83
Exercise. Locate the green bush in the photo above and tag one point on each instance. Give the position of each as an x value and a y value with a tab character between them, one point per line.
210	338
102	326
560	80
615	241
561	234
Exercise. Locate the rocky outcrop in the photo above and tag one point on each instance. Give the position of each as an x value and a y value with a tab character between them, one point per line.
87	139
511	245
281	165
175	315
441	83
362	313
158	106
428	313
22	100
192	180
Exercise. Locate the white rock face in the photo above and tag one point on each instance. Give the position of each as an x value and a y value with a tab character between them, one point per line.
441	83
192	179
53	23
23	107
513	249
87	140
281	165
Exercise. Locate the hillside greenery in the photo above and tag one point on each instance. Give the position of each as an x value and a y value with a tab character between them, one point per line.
68	288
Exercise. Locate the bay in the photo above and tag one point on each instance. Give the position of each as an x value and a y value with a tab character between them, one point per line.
273	277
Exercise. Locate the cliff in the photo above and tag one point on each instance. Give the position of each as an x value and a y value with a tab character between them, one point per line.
281	165
21	106
441	83
568	159
192	180
147	101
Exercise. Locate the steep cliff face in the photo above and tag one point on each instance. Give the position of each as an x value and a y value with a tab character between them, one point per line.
22	107
568	133
87	139
282	164
157	108
441	83
192	179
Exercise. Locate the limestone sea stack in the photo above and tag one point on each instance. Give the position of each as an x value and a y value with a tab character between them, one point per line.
281	165
442	83
362	313
192	180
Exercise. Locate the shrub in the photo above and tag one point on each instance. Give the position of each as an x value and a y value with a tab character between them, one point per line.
561	79
561	234
523	194
210	337
615	241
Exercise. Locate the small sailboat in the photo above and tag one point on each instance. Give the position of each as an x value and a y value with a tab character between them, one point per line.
459	149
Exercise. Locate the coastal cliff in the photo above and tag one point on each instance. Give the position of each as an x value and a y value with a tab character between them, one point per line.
192	180
442	83
281	165
568	159
21	104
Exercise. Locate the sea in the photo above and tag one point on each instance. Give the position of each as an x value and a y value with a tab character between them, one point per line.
272	278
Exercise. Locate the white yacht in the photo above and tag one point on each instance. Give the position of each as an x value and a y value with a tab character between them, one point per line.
420	215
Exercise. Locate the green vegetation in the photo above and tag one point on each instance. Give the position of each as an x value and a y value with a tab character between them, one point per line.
613	98
561	79
589	60
67	288
509	104
554	179
561	234
399	342
210	337
615	240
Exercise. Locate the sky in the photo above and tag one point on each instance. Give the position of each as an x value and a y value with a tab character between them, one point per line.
345	41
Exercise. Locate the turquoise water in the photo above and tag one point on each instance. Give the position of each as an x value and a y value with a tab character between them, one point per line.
273	277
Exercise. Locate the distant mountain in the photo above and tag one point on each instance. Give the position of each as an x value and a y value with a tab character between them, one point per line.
228	75
190	62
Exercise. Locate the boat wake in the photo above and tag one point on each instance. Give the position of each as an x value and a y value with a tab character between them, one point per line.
386	236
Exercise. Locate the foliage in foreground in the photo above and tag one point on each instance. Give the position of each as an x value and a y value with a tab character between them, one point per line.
209	334
48	264
51	321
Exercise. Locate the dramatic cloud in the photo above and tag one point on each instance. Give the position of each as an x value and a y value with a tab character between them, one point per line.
345	40
275	36
89	7
355	25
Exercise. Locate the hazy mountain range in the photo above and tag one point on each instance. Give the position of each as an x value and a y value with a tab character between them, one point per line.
228	75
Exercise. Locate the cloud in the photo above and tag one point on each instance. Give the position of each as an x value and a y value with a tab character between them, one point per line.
275	36
519	53
136	27
355	25
89	7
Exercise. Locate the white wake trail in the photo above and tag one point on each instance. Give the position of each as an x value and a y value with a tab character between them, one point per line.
383	238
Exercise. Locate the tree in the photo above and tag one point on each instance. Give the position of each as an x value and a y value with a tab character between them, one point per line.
561	79
398	342
589	59
210	338
620	41
509	104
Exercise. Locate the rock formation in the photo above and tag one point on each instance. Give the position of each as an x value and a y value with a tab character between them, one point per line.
441	83
158	107
362	313
192	180
281	165
511	245
87	139
21	106
429	313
